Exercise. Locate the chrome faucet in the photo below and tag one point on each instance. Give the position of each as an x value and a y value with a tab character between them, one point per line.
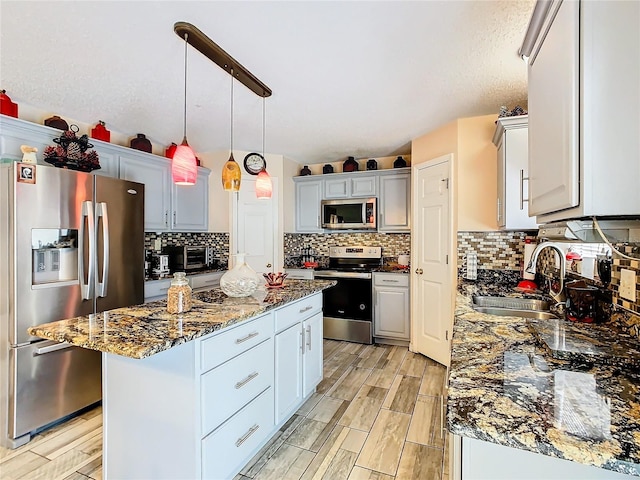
558	296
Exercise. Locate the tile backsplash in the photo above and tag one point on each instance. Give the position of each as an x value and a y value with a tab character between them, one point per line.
393	244
495	250
218	241
620	263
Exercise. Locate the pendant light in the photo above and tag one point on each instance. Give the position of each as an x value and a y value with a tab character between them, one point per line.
264	186
231	170
184	168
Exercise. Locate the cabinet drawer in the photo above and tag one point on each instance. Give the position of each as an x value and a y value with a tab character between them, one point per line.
229	447
229	387
156	289
298	311
205	282
228	344
391	279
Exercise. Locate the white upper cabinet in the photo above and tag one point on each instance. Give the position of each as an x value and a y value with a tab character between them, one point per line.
364	186
190	204
349	186
584	72
308	196
336	188
511	138
156	177
167	206
394	204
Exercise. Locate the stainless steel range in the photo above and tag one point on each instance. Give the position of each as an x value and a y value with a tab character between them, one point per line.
348	307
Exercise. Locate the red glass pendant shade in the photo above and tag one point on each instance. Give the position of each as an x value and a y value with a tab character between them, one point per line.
264	185
184	169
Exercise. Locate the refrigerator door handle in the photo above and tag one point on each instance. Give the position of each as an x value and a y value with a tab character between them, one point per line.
51	346
101	211
87	213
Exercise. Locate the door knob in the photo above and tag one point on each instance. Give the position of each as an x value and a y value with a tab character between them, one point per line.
419	271
268	265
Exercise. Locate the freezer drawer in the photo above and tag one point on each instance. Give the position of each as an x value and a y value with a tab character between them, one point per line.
50	380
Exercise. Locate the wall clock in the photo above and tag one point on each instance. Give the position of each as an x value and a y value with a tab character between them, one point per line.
254	163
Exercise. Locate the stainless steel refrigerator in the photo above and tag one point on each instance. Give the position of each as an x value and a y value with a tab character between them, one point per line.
71	244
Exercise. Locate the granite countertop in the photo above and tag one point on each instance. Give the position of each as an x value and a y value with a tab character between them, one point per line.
506	388
144	330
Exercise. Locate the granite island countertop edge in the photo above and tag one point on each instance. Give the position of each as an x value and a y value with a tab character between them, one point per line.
141	331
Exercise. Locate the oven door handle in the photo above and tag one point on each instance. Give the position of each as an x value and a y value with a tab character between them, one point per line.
341	275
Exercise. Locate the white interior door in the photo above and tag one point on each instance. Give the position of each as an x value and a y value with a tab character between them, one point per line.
255	222
431	297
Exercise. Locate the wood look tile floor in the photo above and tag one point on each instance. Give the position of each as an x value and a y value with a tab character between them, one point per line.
375	416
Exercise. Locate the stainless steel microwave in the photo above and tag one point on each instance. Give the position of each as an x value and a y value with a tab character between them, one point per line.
349	214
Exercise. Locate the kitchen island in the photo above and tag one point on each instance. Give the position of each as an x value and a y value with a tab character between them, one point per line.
516	407
196	395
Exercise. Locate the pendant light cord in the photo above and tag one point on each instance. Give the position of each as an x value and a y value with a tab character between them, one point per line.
186	36
263	128
231	143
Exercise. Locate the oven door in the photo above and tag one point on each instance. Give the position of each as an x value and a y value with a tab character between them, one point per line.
351	298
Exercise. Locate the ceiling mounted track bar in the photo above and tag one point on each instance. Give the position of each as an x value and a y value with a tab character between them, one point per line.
213	52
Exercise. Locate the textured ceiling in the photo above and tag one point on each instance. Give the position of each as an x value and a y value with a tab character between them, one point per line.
348	78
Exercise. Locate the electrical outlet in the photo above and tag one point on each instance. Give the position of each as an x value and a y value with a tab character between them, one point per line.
627	284
158	244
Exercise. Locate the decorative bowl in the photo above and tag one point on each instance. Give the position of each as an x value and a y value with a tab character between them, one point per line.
275	280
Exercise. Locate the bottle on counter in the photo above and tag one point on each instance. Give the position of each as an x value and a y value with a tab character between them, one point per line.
179	294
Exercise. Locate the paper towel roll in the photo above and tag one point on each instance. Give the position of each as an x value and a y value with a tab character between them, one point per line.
528	251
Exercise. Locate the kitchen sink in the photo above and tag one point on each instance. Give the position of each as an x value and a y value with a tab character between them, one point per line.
513	312
510	303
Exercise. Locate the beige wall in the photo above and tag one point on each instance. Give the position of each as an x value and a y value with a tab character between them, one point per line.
477	174
475	167
436	143
219	200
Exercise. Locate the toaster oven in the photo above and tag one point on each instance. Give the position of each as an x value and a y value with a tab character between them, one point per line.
186	258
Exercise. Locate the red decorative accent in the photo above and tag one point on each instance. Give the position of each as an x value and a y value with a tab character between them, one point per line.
184	169
264	186
170	150
7	107
100	132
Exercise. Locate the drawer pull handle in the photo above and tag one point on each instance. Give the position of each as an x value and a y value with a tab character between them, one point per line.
246	436
248	337
242	383
391	281
306	309
209	282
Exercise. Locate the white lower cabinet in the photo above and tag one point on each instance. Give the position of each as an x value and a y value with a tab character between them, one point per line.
156	289
480	460
288	371
312	354
205	281
298	354
204	408
391	305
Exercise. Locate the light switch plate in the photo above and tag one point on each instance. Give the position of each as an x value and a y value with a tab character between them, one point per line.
628	284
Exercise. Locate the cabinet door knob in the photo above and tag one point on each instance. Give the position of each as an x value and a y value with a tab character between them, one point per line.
419	271
268	265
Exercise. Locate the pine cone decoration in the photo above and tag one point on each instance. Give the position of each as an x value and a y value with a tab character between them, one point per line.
74	151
